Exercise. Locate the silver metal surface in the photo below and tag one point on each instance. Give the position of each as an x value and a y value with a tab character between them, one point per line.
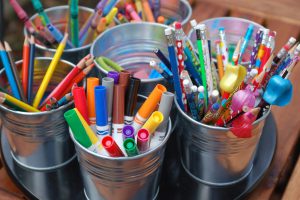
58	16
213	155
39	141
235	28
131	45
123	178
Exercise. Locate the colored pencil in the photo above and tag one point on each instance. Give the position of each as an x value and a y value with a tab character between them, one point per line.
30	69
19	104
25	65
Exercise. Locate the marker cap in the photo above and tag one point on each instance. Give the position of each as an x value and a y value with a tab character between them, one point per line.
154	121
130	147
128	132
111	147
114	75
101	106
143	140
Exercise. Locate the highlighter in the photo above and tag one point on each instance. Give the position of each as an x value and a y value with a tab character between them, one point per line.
111	147
143	140
153	122
80	102
92	82
148	106
130	147
102	125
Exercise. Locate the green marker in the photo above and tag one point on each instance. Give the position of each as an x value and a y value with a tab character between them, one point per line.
38	7
74	22
130	147
77	128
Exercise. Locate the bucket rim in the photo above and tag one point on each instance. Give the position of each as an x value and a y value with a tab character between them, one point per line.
22	113
120	27
189	9
42	47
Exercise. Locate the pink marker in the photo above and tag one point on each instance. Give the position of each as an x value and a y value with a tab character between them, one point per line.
133	13
143	140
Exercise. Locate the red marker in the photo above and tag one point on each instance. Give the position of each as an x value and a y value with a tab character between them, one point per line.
111	147
80	102
143	140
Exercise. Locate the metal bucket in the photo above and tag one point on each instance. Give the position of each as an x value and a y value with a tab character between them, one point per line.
131	45
123	178
235	28
213	155
39	141
58	16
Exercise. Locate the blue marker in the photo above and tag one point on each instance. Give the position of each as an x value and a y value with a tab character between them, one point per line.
101	112
247	37
58	36
109	6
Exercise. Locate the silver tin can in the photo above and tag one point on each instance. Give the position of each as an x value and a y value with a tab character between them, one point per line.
39	141
213	155
131	45
123	178
58	16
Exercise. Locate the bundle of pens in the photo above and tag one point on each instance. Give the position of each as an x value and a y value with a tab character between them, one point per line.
246	87
22	91
49	35
103	118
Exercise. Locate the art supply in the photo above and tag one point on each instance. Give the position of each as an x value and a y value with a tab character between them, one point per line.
112	147
111	15
210	114
80	102
132	13
108	83
190	99
162	57
114	75
148	106
59	37
31	68
131	99
130	147
92	82
161	71
128	132
109	6
143	140
14	71
25	65
118	114
258	39
153	122
246	39
74	24
223	47
102	125
38	7
7	99
165	107
148	11
124	78
64	100
220	60
49	73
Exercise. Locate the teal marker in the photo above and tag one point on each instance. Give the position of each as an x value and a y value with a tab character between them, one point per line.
74	22
130	147
38	7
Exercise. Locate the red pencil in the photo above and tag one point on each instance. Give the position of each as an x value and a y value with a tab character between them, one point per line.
26	51
80	102
57	93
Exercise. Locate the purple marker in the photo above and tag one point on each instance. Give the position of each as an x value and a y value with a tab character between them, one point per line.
128	132
114	75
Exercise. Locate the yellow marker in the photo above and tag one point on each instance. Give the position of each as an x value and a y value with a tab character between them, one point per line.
111	15
233	77
18	103
154	121
50	71
94	139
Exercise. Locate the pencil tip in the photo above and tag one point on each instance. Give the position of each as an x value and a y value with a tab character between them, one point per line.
1	46
31	40
7	46
65	38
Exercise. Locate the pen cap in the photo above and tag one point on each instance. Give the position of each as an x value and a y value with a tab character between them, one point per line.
153	122
80	102
118	104
92	82
108	83
165	107
124	78
153	99
101	106
114	75
77	128
128	132
130	147
111	147
131	95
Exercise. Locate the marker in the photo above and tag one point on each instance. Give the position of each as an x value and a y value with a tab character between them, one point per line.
165	107
112	147
102	125
130	147
111	15
148	106
154	121
131	99
143	140
92	82
118	114
132	13
124	76
128	132
109	6
74	22
114	75
108	83
80	102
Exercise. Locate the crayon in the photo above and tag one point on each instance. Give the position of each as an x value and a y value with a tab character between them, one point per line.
148	11
111	15
102	125
92	82
131	99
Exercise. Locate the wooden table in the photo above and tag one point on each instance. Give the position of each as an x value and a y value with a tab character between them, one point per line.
283	17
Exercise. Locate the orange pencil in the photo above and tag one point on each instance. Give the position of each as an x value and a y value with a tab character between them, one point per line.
92	82
26	51
148	11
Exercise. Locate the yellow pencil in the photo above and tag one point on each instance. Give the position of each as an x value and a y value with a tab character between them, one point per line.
50	71
17	102
110	16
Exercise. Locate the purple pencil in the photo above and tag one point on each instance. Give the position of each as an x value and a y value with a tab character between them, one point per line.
258	38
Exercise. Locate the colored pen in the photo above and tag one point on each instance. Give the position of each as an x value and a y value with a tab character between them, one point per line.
112	147
92	82
38	7
143	140
49	72
128	132
102	125
16	102
25	65
131	99
130	147
80	102
124	76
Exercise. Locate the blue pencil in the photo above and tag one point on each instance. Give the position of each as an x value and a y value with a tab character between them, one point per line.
30	69
109	6
9	73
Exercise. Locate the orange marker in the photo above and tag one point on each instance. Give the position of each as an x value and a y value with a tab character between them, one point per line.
148	11
92	82
148	107
161	19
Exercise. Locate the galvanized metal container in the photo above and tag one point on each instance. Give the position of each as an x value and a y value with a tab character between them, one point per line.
213	155
123	178
58	16
39	141
131	45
